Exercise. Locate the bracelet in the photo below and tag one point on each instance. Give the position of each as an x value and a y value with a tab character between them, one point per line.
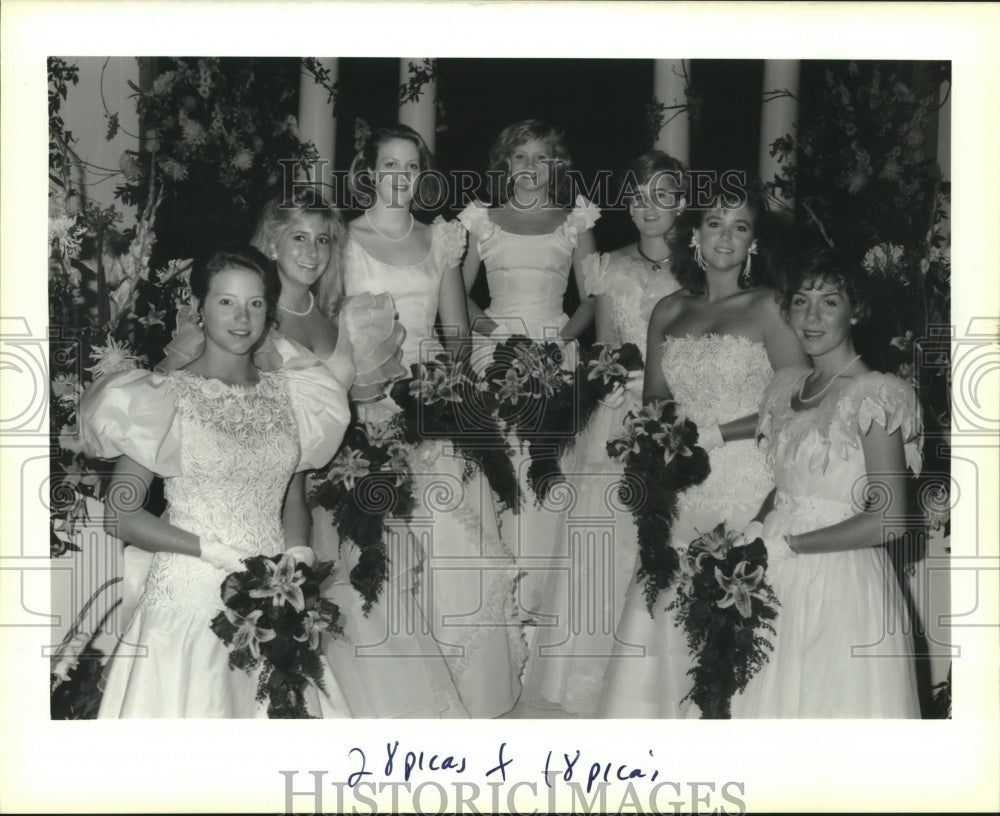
788	543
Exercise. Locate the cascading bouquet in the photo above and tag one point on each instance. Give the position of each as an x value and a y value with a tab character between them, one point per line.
538	402
726	608
660	458
275	618
608	368
368	481
445	400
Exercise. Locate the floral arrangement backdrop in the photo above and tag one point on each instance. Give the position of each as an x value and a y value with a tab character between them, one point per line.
212	132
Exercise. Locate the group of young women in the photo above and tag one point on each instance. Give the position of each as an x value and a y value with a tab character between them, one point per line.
481	606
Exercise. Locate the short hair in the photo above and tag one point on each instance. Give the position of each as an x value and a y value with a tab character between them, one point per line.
824	265
430	186
519	133
280	214
651	165
245	257
723	194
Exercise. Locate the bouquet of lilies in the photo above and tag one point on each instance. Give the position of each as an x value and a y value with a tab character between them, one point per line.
538	401
726	608
368	481
275	619
608	368
660	458
446	400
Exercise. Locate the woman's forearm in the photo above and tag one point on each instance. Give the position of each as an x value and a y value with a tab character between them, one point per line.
579	321
148	532
867	529
742	428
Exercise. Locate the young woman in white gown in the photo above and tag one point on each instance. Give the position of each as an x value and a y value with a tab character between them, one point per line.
840	438
713	347
387	663
529	245
466	572
227	439
597	536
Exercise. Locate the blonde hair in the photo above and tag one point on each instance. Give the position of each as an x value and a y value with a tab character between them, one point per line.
278	217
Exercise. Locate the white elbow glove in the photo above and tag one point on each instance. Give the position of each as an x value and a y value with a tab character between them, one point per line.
710	436
615	399
302	555
751	533
636	382
221	556
778	549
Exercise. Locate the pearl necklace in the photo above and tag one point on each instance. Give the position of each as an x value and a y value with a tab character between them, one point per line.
826	387
312	302
371	223
657	265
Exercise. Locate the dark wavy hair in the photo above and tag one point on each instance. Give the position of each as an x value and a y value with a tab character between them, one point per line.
279	215
246	257
430	186
517	134
730	192
821	265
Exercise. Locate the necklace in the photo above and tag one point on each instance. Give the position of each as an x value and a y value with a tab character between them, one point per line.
657	265
826	387
312	302
371	223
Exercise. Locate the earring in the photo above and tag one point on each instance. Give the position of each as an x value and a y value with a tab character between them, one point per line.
854	321
200	323
699	258
744	280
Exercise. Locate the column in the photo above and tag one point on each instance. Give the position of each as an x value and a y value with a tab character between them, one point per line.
779	113
669	79
420	113
317	116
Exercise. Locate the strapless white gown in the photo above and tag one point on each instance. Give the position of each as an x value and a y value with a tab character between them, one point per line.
719	377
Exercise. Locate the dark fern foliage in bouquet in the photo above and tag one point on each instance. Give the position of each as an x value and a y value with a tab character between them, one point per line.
661	458
445	400
275	619
368	481
538	401
726	608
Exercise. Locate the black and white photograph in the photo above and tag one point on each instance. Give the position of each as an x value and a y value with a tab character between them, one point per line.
576	395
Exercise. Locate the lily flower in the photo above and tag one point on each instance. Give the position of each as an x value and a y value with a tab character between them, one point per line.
606	366
348	466
740	589
511	387
248	634
284	584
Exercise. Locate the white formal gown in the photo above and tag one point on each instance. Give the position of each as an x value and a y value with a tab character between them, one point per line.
226	454
595	534
466	574
712	377
843	646
528	276
387	662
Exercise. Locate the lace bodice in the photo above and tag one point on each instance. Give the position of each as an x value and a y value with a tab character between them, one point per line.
226	454
414	289
528	274
238	452
722	378
632	290
817	453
